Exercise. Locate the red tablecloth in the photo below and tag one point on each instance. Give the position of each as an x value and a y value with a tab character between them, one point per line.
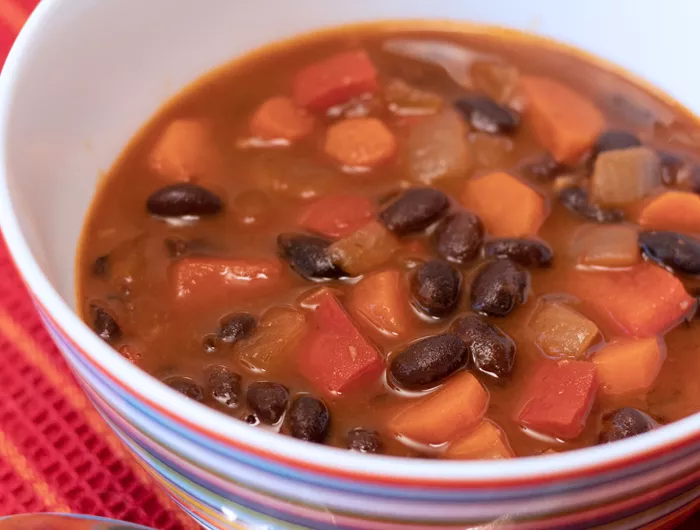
56	453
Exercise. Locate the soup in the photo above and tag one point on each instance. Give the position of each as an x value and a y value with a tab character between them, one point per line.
416	243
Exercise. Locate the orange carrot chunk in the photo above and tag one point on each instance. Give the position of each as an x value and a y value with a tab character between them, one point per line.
360	144
565	122
641	301
380	299
337	215
629	365
334	356
335	80
184	150
208	279
507	207
674	210
486	442
279	118
559	398
435	419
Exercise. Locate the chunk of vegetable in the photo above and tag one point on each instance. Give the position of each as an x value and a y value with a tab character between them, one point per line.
365	249
607	246
507	207
559	398
561	331
406	100
184	150
202	280
641	301
437	148
672	210
435	419
486	442
278	332
334	356
629	365
360	144
381	300
497	80
280	118
337	215
334	80
565	122
623	176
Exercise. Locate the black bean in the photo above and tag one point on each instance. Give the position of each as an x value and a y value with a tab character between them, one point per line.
251	419
428	361
544	167
436	288
184	199
459	237
613	140
186	386
415	210
525	252
100	266
671	165
268	400
624	423
364	441
498	288
104	323
309	419
491	351
236	326
224	385
575	199
308	255
485	115
678	252
211	343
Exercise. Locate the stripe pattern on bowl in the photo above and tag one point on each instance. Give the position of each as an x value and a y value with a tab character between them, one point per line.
227	486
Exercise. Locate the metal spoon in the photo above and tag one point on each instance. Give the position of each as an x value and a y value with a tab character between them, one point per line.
61	521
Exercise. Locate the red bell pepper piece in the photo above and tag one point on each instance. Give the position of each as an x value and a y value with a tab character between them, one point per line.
559	398
334	356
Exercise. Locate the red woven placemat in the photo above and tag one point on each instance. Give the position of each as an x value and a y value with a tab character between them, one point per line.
56	453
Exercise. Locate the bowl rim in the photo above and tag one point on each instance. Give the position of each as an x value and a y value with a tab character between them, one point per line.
285	450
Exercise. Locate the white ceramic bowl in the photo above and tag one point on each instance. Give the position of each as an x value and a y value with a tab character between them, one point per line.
80	81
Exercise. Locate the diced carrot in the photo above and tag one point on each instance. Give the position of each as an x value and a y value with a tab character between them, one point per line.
507	207
641	301
280	118
365	249
337	215
559	398
435	419
561	331
335	80
334	356
486	442
203	280
380	299
629	365
184	150
279	330
672	210
564	121
360	144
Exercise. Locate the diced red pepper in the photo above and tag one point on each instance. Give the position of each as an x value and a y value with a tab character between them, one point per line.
334	356
337	215
335	80
559	398
202	280
380	299
641	301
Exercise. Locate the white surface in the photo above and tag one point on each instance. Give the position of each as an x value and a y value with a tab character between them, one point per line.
84	75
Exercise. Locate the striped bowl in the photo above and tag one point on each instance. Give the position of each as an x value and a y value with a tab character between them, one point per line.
81	79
